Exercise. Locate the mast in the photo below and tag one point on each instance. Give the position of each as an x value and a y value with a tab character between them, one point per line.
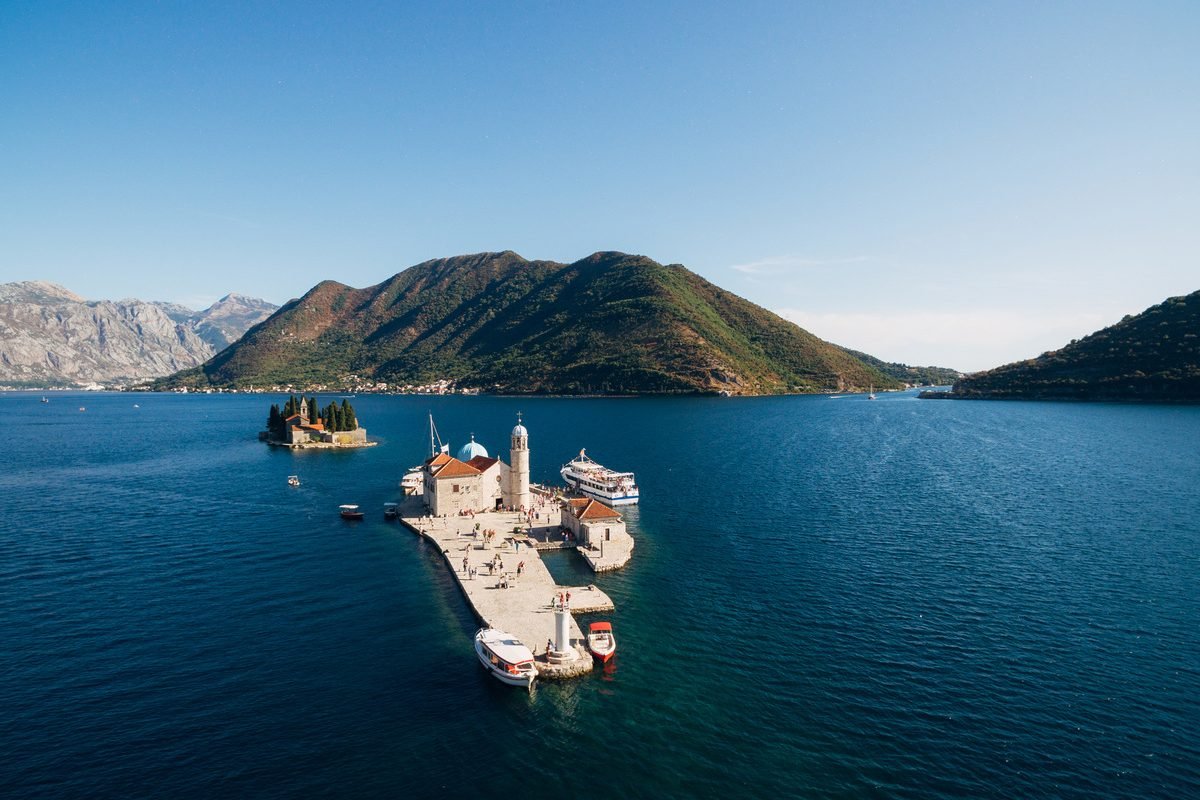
440	448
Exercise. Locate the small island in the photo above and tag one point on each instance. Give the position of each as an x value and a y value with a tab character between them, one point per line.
296	427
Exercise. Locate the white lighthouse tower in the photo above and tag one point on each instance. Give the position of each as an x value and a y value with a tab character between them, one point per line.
518	474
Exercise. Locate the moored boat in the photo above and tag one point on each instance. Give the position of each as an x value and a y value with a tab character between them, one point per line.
293	480
600	640
391	510
413	481
505	657
350	511
595	480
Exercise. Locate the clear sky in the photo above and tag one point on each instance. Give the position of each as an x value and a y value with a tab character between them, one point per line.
960	184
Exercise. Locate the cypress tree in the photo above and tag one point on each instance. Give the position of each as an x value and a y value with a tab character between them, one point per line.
348	417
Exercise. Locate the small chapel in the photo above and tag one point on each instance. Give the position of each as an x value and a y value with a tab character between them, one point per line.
474	481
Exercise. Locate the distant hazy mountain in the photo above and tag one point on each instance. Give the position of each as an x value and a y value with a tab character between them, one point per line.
51	336
224	322
1153	357
610	323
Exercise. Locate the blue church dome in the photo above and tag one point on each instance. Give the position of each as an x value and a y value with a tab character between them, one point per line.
472	449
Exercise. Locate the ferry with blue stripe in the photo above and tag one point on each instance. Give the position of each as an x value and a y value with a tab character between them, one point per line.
595	480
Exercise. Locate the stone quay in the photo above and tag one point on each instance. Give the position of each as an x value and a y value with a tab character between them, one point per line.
485	569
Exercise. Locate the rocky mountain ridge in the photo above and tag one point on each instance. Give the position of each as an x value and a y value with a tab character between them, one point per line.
50	336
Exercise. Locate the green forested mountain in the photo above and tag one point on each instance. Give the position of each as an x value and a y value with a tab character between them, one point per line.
610	323
1153	357
918	376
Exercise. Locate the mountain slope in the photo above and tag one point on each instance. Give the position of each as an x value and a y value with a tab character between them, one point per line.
919	376
1154	357
610	323
50	336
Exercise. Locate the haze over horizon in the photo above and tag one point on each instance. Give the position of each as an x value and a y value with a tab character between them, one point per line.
959	185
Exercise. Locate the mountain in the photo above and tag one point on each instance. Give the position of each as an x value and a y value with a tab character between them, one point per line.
1151	357
916	376
610	323
224	322
50	336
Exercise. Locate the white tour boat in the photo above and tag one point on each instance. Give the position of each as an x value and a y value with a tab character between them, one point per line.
413	481
608	486
507	659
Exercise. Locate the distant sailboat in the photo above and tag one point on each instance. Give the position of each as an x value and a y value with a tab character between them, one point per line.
871	393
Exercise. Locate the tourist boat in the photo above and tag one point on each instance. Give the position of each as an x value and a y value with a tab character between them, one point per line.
413	481
608	486
350	512
600	640
507	659
293	480
391	510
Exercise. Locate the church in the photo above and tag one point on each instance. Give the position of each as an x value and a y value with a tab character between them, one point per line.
476	482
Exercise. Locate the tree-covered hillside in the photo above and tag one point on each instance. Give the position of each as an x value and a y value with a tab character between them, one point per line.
1153	357
610	323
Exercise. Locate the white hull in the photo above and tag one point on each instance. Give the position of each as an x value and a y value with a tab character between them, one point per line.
611	498
602	646
501	670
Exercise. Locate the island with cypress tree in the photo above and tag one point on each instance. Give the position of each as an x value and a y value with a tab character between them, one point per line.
302	423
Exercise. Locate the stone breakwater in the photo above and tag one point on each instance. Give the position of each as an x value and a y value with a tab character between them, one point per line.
518	602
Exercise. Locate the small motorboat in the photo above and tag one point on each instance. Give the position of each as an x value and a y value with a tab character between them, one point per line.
293	480
350	512
391	510
505	657
600	640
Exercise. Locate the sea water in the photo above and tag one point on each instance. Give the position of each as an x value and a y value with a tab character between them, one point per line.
829	598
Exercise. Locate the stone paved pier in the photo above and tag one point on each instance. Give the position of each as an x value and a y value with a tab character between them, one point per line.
524	609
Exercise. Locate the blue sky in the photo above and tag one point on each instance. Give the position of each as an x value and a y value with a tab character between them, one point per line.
951	183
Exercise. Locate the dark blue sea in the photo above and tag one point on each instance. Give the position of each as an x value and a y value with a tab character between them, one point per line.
829	598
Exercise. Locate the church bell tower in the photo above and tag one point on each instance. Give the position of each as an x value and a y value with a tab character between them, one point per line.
519	471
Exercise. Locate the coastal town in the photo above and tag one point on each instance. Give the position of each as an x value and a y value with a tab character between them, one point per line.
492	525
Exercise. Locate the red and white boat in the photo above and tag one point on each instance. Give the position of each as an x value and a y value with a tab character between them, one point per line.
350	512
503	655
601	641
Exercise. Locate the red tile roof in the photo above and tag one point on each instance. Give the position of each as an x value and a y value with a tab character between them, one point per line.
597	510
456	469
482	463
438	460
586	508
